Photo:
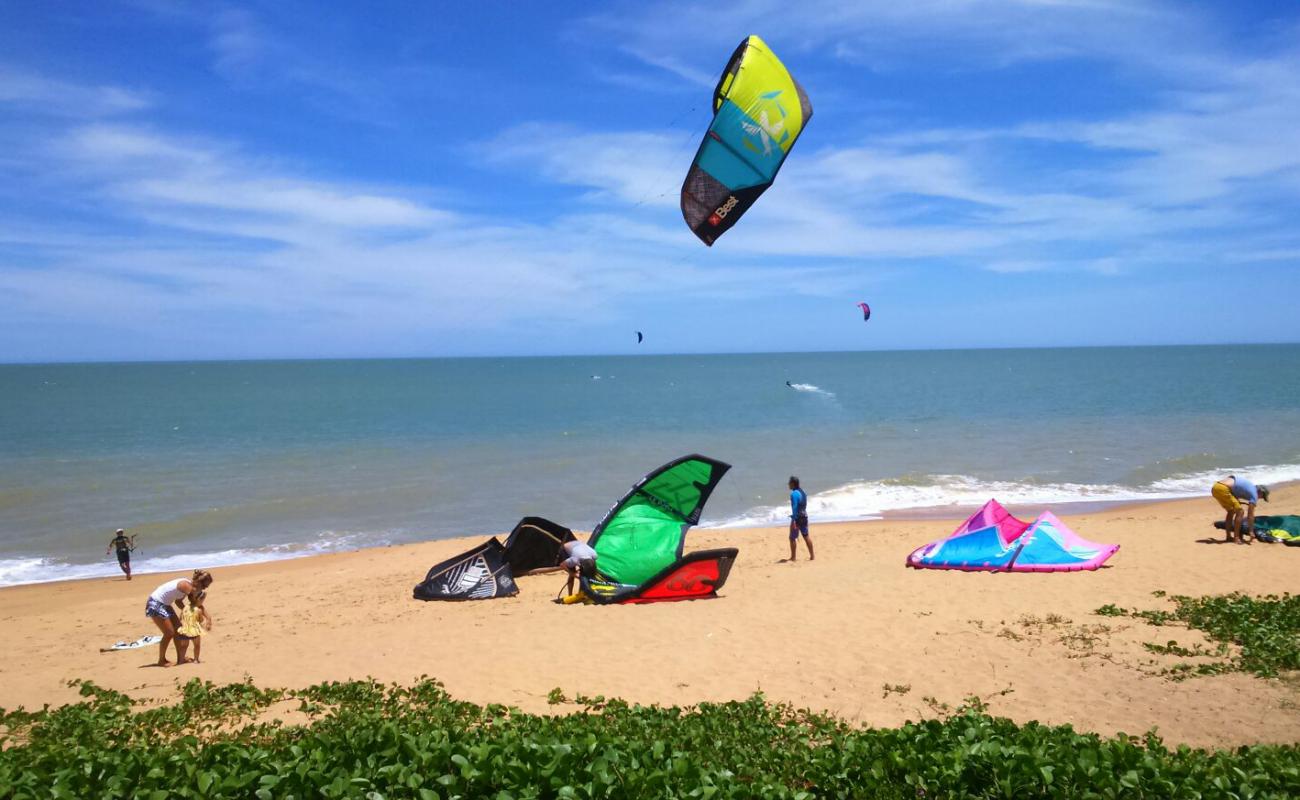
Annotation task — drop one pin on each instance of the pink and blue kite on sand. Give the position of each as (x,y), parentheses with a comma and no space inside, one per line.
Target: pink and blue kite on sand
(993,540)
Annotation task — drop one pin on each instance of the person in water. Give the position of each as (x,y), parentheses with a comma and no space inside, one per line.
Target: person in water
(798,519)
(1231,492)
(159,608)
(580,559)
(124,544)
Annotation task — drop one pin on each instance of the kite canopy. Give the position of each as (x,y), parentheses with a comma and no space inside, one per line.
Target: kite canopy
(759,110)
(866,311)
(489,570)
(638,546)
(479,574)
(992,540)
(1283,528)
(645,531)
(535,543)
(694,576)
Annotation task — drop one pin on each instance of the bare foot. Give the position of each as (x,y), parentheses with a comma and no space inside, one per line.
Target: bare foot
(164,663)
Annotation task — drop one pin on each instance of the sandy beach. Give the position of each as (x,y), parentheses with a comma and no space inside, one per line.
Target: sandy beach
(854,632)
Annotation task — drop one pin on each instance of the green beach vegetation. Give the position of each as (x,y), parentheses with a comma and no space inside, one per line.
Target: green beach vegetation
(367,740)
(1260,635)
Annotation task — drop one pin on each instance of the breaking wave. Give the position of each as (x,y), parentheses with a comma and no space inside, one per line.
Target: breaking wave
(22,570)
(864,500)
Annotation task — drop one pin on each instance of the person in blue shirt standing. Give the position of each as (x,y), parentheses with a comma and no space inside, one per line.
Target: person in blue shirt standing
(1231,492)
(798,519)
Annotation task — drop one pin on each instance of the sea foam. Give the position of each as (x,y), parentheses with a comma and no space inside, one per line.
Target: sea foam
(865,500)
(811,389)
(17,571)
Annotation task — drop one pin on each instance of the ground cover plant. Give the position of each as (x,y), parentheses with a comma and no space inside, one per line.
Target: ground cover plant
(1264,630)
(367,740)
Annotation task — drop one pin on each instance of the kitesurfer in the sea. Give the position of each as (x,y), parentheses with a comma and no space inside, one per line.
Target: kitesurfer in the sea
(798,519)
(124,544)
(791,385)
(580,559)
(1230,492)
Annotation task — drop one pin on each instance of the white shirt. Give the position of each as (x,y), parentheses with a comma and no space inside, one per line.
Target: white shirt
(168,593)
(580,551)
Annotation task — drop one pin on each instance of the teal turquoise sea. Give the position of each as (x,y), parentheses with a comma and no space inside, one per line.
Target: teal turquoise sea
(214,463)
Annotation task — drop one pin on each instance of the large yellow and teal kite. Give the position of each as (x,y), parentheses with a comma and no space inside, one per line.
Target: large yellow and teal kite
(759,110)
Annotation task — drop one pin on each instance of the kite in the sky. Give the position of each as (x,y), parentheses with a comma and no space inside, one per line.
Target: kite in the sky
(759,110)
(866,311)
(639,337)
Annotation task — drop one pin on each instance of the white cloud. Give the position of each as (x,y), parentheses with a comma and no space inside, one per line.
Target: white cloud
(221,234)
(677,67)
(188,228)
(1016,267)
(305,200)
(238,42)
(889,35)
(1291,254)
(640,168)
(117,147)
(42,95)
(1152,180)
(277,51)
(164,174)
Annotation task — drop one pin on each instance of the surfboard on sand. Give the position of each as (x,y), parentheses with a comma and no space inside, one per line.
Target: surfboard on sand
(143,641)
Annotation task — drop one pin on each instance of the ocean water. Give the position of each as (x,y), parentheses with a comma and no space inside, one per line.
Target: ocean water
(215,463)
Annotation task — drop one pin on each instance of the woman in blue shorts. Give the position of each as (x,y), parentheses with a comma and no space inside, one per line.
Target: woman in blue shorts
(159,609)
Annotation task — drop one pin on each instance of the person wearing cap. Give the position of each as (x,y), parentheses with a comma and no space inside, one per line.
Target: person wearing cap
(124,544)
(1231,492)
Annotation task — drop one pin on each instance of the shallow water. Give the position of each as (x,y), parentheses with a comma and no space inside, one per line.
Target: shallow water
(227,462)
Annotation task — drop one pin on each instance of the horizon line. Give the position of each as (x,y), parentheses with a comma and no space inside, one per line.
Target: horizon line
(295,359)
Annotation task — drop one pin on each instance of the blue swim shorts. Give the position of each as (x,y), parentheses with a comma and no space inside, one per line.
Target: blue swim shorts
(797,526)
(153,608)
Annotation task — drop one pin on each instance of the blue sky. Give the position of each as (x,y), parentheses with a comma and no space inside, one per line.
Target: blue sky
(213,180)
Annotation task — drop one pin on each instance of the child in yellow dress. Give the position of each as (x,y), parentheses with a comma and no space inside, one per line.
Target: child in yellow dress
(194,621)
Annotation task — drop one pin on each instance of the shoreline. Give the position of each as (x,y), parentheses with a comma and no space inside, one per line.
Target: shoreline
(827,635)
(954,512)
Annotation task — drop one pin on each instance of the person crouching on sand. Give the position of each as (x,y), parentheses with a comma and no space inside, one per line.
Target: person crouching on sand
(580,560)
(1230,492)
(159,608)
(194,621)
(798,519)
